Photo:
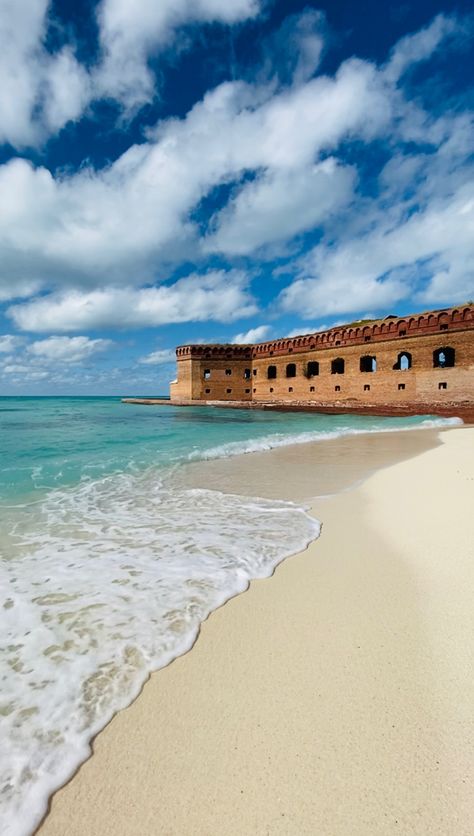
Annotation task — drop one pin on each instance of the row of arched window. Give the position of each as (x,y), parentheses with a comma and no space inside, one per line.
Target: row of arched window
(442,358)
(391,326)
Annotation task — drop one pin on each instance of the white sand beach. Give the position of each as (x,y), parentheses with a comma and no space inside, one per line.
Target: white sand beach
(335,698)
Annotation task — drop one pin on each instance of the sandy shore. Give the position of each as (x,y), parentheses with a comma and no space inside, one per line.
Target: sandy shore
(334,699)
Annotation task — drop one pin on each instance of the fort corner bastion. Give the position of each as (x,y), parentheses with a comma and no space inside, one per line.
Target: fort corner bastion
(422,363)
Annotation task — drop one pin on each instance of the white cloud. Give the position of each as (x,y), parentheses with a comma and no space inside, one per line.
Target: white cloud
(27,372)
(130,32)
(420,46)
(376,269)
(123,223)
(67,90)
(294,51)
(158,358)
(92,240)
(8,343)
(280,204)
(254,335)
(215,295)
(66,349)
(40,92)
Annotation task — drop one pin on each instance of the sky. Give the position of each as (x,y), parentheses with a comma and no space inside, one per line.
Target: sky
(223,171)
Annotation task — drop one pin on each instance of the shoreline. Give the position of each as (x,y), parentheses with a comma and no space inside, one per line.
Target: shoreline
(463,410)
(144,764)
(314,469)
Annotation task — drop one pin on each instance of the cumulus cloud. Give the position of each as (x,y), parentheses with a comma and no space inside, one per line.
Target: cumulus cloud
(130,32)
(216,295)
(27,372)
(62,363)
(40,92)
(124,222)
(280,204)
(381,267)
(159,358)
(66,349)
(254,335)
(9,343)
(95,242)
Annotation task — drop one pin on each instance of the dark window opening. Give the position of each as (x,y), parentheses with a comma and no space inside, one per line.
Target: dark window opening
(247,391)
(228,372)
(442,385)
(312,369)
(207,391)
(311,388)
(338,342)
(228,391)
(255,372)
(291,370)
(271,353)
(401,386)
(366,388)
(403,361)
(368,364)
(247,374)
(271,390)
(254,390)
(402,333)
(443,358)
(337,366)
(290,388)
(207,374)
(367,339)
(290,350)
(337,388)
(443,327)
(272,372)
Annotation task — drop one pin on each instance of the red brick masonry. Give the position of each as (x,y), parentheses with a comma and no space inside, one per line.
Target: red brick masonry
(394,366)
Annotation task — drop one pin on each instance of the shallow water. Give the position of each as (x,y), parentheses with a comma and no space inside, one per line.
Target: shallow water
(109,565)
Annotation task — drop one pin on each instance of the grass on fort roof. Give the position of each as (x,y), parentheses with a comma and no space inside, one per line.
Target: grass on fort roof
(361,322)
(364,321)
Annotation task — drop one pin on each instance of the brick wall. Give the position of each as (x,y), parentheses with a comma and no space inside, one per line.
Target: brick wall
(385,385)
(306,371)
(213,373)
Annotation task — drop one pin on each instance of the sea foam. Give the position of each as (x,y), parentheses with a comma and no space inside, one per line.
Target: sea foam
(106,582)
(275,440)
(108,579)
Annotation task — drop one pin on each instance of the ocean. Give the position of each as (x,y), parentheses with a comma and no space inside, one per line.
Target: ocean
(108,566)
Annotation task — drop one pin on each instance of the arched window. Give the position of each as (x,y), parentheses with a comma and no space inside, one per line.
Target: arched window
(291,370)
(368,364)
(403,361)
(271,372)
(443,358)
(337,366)
(312,369)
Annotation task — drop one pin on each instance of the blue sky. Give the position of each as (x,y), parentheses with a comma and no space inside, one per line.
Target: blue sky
(207,170)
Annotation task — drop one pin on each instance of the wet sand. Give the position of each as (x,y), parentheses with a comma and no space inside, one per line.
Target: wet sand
(335,698)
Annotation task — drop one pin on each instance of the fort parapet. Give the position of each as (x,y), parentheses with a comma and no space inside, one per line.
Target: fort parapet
(418,363)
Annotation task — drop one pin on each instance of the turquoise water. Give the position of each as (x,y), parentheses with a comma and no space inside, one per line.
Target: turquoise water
(51,442)
(108,567)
